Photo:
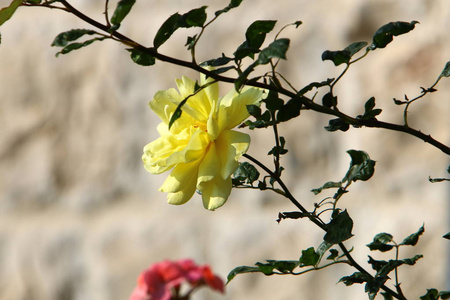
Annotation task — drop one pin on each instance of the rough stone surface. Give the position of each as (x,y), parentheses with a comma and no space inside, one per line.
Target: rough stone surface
(80,217)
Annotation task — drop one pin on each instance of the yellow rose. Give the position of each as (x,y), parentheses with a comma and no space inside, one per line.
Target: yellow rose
(200,147)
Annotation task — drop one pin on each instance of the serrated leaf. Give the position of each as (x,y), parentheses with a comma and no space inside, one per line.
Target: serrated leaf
(276,49)
(413,238)
(376,264)
(412,261)
(380,242)
(62,39)
(388,268)
(385,34)
(75,46)
(356,277)
(241,270)
(7,12)
(121,11)
(339,229)
(337,57)
(309,257)
(141,58)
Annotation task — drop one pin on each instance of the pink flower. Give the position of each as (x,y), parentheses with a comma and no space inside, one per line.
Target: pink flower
(162,281)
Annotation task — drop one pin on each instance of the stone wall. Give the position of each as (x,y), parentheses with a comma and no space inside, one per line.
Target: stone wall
(80,217)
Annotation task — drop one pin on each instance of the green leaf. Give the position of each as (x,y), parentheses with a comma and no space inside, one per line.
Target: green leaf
(412,261)
(7,12)
(388,268)
(75,46)
(254,110)
(444,294)
(369,111)
(241,270)
(33,1)
(361,166)
(315,85)
(141,58)
(355,47)
(432,294)
(166,30)
(193,18)
(447,236)
(328,100)
(339,229)
(413,238)
(323,247)
(246,172)
(177,113)
(337,57)
(356,277)
(256,32)
(333,254)
(337,124)
(121,11)
(376,264)
(380,242)
(233,4)
(276,49)
(221,61)
(444,73)
(290,110)
(273,102)
(386,296)
(62,39)
(309,257)
(283,266)
(385,34)
(327,185)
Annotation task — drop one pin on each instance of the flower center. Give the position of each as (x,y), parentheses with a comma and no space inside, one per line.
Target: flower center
(201,126)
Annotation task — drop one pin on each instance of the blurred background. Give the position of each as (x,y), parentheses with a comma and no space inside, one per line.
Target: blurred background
(80,218)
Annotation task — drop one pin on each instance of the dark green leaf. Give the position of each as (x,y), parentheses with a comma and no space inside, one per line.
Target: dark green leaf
(122,10)
(33,1)
(266,269)
(62,39)
(256,32)
(242,79)
(385,34)
(276,49)
(444,73)
(327,185)
(7,12)
(355,47)
(370,104)
(432,294)
(284,266)
(246,172)
(254,110)
(361,166)
(141,58)
(386,296)
(76,46)
(413,238)
(333,254)
(221,61)
(447,236)
(388,268)
(356,277)
(166,30)
(380,242)
(309,257)
(337,124)
(328,100)
(323,247)
(444,294)
(241,270)
(290,110)
(412,261)
(193,18)
(376,264)
(177,113)
(233,4)
(339,229)
(315,85)
(337,57)
(273,102)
